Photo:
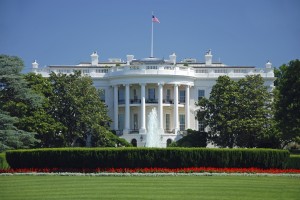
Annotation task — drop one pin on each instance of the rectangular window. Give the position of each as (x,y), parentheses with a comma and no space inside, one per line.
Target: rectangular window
(151,93)
(135,122)
(167,121)
(182,96)
(135,94)
(168,96)
(201,94)
(121,122)
(85,71)
(182,122)
(221,71)
(201,127)
(102,95)
(121,96)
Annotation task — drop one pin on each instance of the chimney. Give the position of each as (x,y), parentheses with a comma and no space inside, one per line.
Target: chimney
(35,66)
(268,65)
(94,58)
(172,58)
(129,59)
(208,58)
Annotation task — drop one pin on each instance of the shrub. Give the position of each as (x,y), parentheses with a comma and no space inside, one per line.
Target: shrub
(293,162)
(192,139)
(3,163)
(65,158)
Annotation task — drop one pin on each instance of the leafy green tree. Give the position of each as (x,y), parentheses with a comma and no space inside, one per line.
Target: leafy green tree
(288,101)
(49,130)
(239,113)
(16,101)
(219,111)
(77,105)
(254,123)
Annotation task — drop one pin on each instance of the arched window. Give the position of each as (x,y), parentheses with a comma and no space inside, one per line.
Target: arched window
(169,141)
(134,142)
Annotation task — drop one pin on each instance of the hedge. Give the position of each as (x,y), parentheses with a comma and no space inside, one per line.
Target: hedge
(3,163)
(66,158)
(294,162)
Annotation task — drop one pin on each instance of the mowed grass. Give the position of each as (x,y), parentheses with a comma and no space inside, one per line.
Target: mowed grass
(163,187)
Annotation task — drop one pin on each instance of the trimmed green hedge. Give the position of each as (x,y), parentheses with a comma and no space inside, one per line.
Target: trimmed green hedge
(65,158)
(294,162)
(3,163)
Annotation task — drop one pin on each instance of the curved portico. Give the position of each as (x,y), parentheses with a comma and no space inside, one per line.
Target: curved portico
(134,101)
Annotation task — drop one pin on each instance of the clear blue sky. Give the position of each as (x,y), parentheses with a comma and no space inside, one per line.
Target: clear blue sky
(239,32)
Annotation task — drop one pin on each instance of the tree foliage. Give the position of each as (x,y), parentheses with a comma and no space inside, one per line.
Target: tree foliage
(17,101)
(76,104)
(48,129)
(239,113)
(288,101)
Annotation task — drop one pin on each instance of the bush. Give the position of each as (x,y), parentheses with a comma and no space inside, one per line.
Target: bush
(192,139)
(294,162)
(66,158)
(3,163)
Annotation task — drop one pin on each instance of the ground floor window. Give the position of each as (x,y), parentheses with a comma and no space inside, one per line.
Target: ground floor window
(201,127)
(121,122)
(135,122)
(167,121)
(169,141)
(182,122)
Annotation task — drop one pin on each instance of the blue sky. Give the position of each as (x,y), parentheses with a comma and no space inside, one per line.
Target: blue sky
(239,32)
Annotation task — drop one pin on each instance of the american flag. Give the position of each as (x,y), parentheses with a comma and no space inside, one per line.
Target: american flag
(154,19)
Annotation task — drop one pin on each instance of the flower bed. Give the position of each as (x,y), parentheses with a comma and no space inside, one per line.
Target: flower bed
(156,170)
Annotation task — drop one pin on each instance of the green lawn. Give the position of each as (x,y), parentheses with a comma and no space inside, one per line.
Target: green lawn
(167,187)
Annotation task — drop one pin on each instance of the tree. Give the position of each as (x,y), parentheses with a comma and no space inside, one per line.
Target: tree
(239,113)
(40,120)
(288,101)
(16,101)
(255,122)
(11,137)
(76,104)
(219,111)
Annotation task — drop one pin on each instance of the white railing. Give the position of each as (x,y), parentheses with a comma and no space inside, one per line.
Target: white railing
(160,70)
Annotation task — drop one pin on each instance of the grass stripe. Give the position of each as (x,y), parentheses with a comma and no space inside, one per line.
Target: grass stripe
(183,187)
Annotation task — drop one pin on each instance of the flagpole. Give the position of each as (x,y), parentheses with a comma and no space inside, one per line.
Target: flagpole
(152,37)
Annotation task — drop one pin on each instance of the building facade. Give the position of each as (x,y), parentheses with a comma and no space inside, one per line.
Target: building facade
(132,88)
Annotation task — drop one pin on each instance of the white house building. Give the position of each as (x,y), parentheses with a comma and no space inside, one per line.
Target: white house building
(132,88)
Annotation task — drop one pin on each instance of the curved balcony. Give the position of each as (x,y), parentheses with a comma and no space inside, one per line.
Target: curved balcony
(151,70)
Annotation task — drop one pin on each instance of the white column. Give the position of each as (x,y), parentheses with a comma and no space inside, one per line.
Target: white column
(187,107)
(176,123)
(160,106)
(116,108)
(127,109)
(143,109)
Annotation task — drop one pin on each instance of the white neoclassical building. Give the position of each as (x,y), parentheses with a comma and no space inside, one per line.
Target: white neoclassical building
(132,88)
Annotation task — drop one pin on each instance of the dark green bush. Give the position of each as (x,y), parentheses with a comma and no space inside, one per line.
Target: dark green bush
(3,163)
(294,162)
(146,157)
(192,139)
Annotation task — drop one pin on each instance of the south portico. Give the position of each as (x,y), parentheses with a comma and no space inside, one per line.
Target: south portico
(134,101)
